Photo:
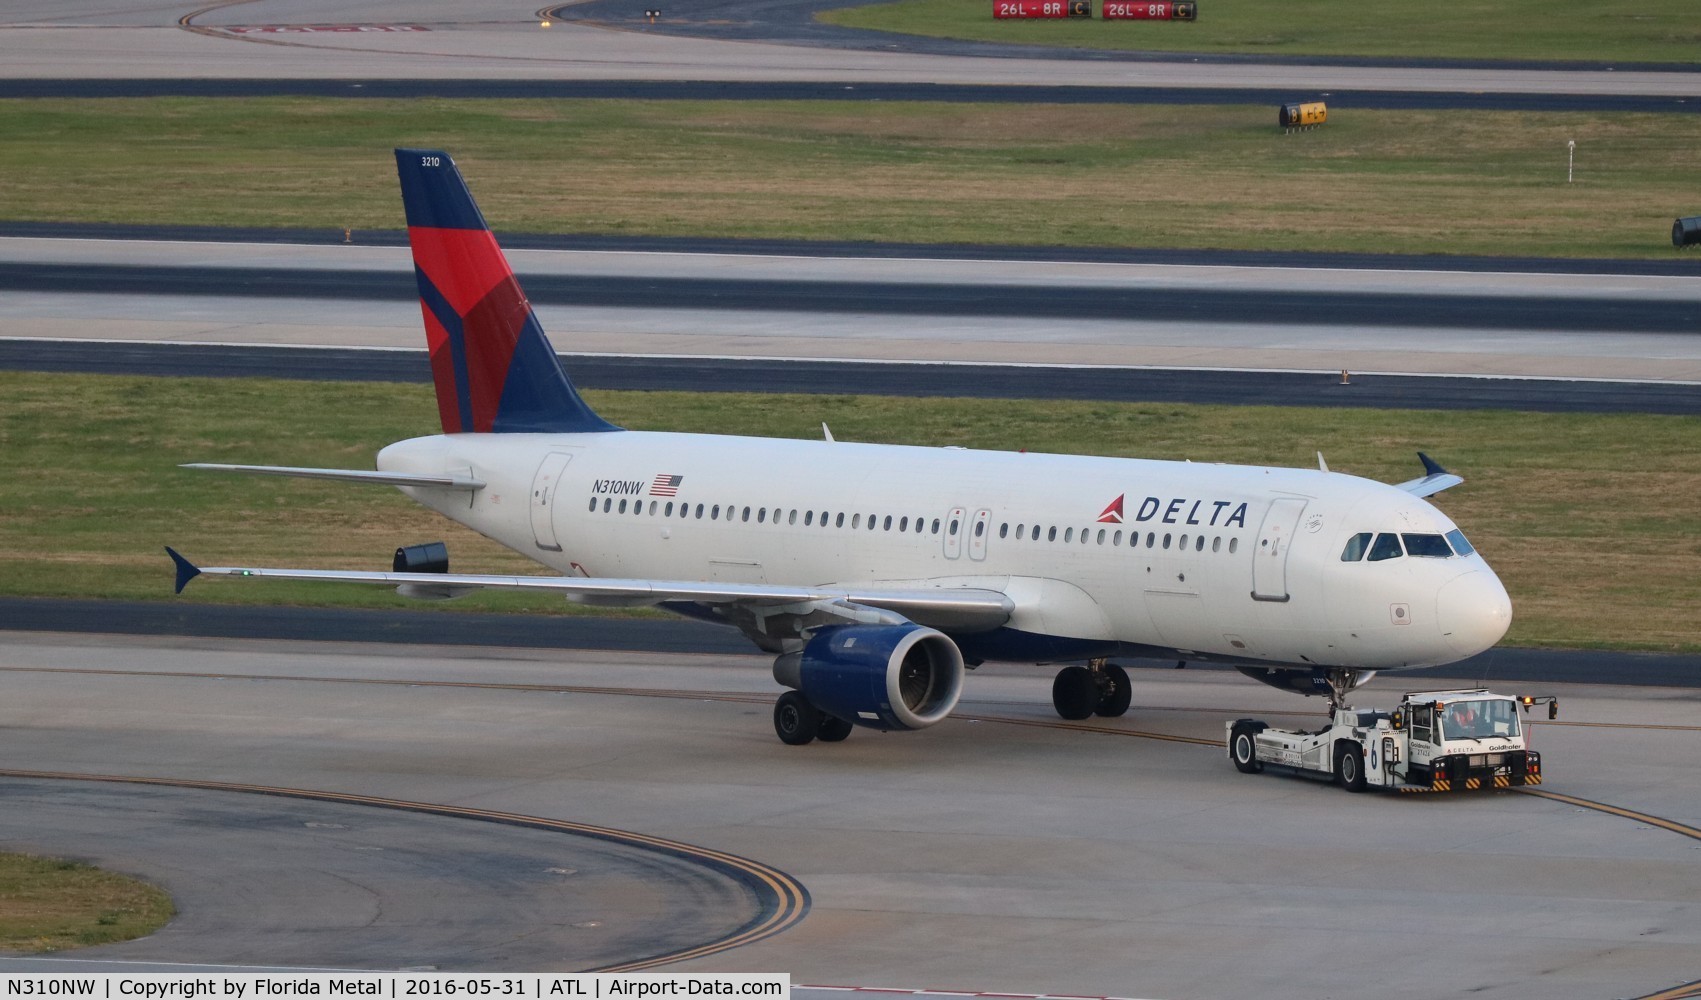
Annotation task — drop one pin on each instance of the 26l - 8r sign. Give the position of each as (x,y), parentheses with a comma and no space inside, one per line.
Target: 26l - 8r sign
(1152,10)
(1042,8)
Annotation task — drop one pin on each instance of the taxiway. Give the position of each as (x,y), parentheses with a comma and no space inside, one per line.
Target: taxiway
(1123,857)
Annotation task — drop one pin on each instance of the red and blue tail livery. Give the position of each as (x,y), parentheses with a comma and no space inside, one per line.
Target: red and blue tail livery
(494,369)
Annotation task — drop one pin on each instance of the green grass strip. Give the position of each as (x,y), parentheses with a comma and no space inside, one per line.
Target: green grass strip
(1589,518)
(47,904)
(1622,31)
(1042,175)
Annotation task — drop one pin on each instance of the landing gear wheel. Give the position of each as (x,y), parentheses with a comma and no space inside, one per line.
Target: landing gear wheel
(796,721)
(833,729)
(1349,766)
(1242,748)
(1075,693)
(1115,691)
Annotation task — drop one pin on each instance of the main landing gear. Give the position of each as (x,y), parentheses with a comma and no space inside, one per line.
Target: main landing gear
(1100,687)
(797,722)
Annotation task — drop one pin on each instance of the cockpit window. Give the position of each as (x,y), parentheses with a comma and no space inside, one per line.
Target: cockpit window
(1460,546)
(1356,546)
(1386,546)
(1429,546)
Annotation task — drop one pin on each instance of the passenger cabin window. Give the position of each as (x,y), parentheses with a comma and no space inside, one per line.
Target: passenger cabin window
(1460,546)
(1386,546)
(1357,545)
(1427,546)
(593,505)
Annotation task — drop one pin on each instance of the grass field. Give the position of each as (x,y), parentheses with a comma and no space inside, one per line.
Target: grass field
(1589,518)
(49,905)
(1147,176)
(1615,30)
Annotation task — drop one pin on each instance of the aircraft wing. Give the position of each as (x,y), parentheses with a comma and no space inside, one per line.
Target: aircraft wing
(1433,481)
(942,607)
(347,475)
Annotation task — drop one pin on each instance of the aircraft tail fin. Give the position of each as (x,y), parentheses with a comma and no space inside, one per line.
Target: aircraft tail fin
(494,369)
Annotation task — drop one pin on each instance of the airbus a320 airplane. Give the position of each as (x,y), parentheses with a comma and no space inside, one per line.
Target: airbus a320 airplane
(877,573)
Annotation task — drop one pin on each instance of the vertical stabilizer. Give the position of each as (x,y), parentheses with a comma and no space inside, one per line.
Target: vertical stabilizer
(495,370)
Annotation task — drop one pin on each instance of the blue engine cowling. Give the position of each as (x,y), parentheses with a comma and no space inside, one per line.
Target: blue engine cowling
(879,676)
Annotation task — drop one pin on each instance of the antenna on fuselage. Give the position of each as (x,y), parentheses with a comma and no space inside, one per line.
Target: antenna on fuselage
(1322,466)
(826,431)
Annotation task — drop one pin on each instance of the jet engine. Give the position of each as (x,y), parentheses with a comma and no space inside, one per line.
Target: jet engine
(880,676)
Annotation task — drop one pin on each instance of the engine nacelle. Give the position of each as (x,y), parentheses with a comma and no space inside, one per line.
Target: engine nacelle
(1299,680)
(880,676)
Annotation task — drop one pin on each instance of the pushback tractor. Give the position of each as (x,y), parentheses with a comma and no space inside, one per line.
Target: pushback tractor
(1435,741)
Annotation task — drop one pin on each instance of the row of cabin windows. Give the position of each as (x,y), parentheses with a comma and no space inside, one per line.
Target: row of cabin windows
(808,518)
(1114,537)
(918,525)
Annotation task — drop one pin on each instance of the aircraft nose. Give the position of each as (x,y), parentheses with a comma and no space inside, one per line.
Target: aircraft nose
(1473,612)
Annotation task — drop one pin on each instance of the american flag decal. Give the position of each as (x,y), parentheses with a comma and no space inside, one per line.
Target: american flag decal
(666,486)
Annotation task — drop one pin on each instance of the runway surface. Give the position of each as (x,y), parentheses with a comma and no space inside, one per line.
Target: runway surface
(735,90)
(1109,858)
(1112,329)
(102,39)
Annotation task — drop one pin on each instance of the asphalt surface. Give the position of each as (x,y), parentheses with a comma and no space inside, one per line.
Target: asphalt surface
(504,39)
(1299,307)
(1002,851)
(269,880)
(1679,264)
(793,22)
(733,90)
(674,636)
(981,381)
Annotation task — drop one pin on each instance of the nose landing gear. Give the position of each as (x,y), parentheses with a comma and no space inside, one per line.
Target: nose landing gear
(1342,680)
(1100,687)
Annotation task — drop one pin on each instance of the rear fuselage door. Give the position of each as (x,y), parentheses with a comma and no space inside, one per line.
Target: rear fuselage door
(544,486)
(1270,556)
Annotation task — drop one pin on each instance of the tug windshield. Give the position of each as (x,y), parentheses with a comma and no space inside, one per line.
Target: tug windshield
(1479,719)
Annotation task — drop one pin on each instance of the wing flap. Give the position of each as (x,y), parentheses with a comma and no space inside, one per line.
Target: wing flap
(959,607)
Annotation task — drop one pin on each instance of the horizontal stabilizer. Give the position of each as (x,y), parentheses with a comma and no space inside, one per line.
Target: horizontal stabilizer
(348,475)
(186,570)
(1434,479)
(982,608)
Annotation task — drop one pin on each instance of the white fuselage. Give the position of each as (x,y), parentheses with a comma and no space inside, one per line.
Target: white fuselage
(1234,563)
